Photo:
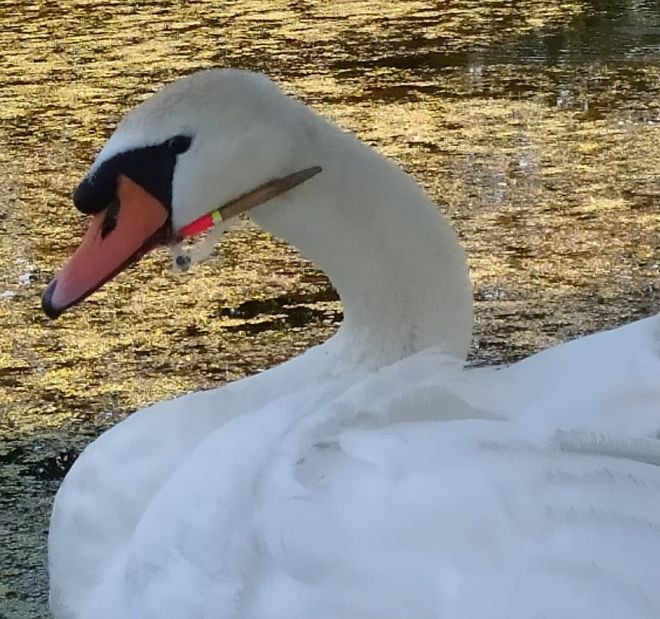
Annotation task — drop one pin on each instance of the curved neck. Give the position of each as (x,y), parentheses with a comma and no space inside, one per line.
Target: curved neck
(394,260)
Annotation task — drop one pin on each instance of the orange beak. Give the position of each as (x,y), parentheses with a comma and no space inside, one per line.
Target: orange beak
(117,236)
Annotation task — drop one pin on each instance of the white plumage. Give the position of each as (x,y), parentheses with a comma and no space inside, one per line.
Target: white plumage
(373,476)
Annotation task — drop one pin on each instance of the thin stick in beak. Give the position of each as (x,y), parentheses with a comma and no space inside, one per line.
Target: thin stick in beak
(266,192)
(249,200)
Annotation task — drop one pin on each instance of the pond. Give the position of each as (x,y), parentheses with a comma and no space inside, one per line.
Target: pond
(535,124)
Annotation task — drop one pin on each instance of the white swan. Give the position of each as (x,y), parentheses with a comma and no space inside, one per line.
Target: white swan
(371,476)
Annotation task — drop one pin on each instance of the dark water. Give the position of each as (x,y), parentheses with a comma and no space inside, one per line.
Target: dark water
(534,123)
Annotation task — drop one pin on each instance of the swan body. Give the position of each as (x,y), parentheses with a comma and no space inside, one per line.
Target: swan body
(372,476)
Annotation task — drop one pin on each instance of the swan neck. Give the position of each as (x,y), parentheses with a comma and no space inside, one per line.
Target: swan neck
(388,250)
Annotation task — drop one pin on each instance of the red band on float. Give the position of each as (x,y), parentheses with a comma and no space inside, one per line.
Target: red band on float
(199,225)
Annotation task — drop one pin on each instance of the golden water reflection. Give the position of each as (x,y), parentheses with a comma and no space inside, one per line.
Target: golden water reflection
(534,123)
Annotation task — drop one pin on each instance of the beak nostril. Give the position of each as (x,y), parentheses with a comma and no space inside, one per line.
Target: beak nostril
(110,220)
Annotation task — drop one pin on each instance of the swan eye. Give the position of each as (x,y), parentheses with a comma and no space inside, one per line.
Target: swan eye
(179,144)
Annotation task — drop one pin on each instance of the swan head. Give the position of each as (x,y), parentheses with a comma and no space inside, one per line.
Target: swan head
(228,137)
(199,143)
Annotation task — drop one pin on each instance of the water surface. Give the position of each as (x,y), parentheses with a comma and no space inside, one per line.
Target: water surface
(533,123)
